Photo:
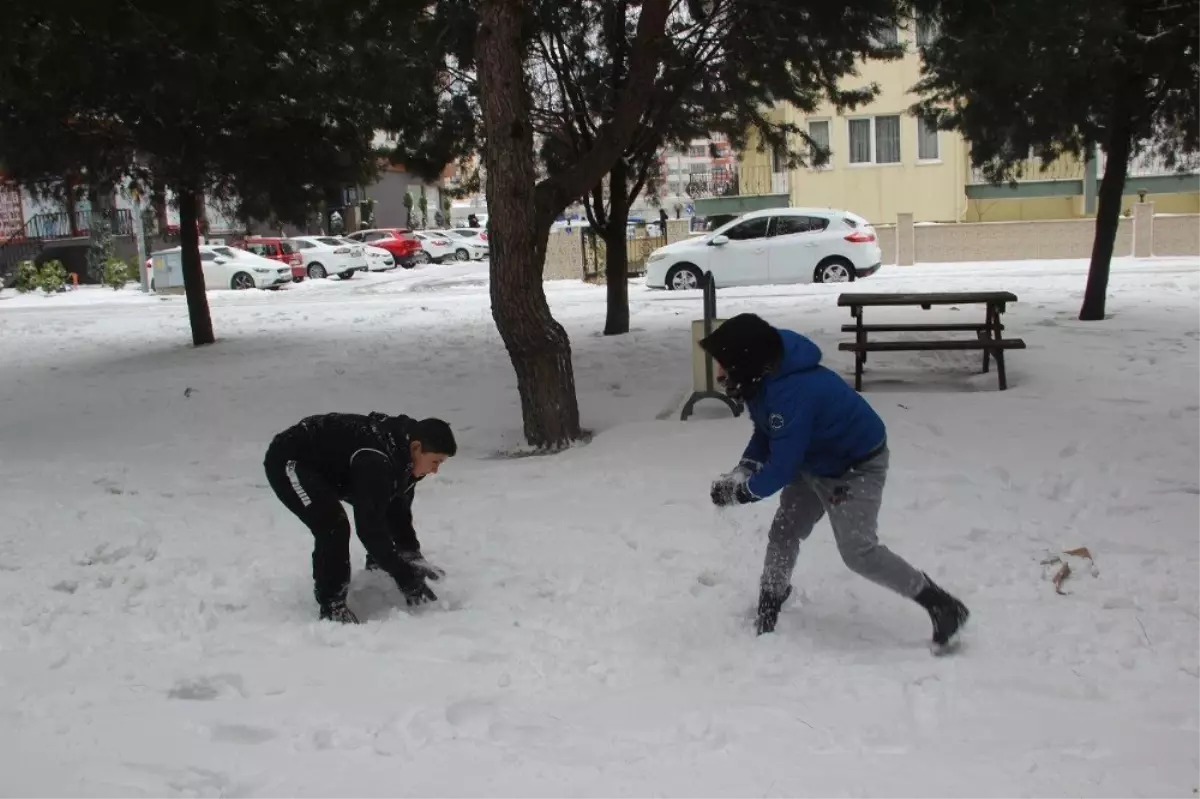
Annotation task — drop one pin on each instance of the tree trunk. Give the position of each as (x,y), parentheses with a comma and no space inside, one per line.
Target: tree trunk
(536,343)
(616,252)
(193,275)
(1108,211)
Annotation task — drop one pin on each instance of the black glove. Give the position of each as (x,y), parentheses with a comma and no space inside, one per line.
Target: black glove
(423,567)
(769,605)
(419,595)
(415,591)
(727,490)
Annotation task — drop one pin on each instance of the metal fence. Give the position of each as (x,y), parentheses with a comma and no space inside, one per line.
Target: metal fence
(638,246)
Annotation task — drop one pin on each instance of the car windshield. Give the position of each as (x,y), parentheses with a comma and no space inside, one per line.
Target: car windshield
(228,252)
(330,240)
(286,248)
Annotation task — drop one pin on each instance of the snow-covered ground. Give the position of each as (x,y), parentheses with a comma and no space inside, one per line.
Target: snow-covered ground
(158,635)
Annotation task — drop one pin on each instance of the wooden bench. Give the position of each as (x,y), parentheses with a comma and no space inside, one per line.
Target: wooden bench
(988,332)
(923,327)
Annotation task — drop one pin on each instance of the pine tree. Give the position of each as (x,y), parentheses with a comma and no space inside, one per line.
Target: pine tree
(1063,78)
(272,106)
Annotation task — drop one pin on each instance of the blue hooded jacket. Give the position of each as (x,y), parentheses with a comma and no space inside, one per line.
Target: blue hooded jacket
(806,418)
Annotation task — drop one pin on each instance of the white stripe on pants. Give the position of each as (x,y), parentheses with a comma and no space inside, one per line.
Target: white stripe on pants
(294,479)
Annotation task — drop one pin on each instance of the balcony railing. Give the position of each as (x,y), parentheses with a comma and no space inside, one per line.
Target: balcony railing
(78,225)
(1143,166)
(1149,165)
(744,181)
(1031,170)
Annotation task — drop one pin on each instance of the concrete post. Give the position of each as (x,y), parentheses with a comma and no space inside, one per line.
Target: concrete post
(677,230)
(906,240)
(1143,229)
(1091,184)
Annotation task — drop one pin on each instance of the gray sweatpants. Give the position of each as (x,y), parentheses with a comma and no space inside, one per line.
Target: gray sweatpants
(852,502)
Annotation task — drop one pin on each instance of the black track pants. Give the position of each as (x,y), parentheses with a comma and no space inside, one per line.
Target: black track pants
(317,505)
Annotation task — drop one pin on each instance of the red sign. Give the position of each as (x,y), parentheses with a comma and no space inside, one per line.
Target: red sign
(12,214)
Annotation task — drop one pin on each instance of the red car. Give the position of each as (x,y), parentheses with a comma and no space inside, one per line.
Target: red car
(277,249)
(400,242)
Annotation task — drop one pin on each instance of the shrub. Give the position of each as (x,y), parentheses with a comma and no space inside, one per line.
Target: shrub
(116,273)
(27,277)
(51,277)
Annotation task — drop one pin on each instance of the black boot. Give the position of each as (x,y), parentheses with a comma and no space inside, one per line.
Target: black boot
(371,565)
(947,613)
(337,611)
(769,605)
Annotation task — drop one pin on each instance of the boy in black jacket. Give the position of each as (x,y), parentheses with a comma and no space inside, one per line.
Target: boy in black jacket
(372,462)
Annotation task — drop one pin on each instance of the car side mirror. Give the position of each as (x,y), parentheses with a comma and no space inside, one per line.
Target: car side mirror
(220,261)
(718,241)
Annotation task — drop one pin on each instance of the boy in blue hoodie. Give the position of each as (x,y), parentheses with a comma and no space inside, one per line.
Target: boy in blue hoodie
(818,442)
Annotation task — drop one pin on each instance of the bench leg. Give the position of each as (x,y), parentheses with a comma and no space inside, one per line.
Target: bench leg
(858,370)
(983,336)
(1000,370)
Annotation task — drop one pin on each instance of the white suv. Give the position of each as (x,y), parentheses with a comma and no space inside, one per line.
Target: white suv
(777,245)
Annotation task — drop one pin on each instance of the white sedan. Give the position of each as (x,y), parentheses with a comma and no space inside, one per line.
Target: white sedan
(231,268)
(439,246)
(466,248)
(326,255)
(378,259)
(776,245)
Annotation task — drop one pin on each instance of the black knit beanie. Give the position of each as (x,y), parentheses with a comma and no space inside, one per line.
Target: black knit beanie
(747,346)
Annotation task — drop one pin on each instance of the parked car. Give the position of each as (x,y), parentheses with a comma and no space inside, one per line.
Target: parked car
(378,259)
(776,245)
(439,246)
(400,242)
(326,255)
(277,249)
(466,248)
(230,268)
(471,233)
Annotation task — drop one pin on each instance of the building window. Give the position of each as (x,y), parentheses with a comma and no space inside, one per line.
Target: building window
(927,140)
(927,31)
(887,140)
(875,140)
(887,37)
(818,133)
(697,151)
(779,160)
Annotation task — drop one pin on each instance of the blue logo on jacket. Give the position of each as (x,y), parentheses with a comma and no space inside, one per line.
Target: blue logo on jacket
(806,418)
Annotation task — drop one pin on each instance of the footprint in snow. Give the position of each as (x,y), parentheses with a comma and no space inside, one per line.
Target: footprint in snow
(207,688)
(241,734)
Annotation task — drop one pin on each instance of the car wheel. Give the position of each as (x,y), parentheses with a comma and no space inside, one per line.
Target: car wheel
(684,277)
(834,270)
(422,257)
(241,281)
(462,255)
(346,275)
(316,271)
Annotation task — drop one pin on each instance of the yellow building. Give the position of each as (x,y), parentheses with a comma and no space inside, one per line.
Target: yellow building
(885,161)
